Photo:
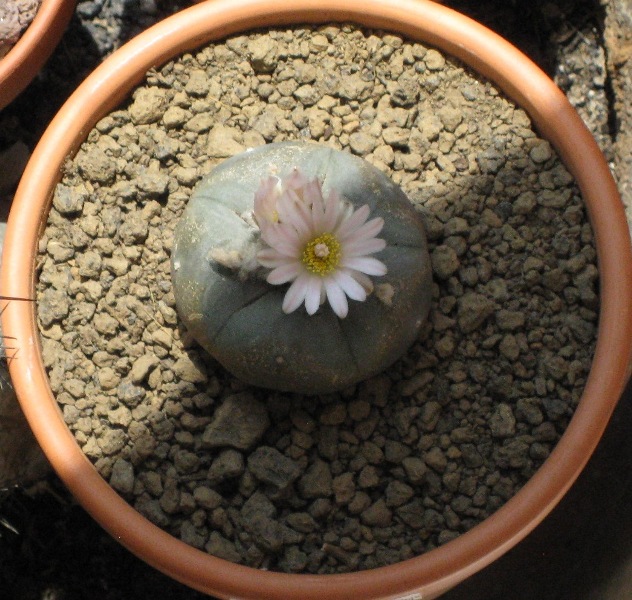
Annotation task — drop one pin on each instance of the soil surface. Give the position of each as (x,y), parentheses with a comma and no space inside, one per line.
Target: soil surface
(43,531)
(396,465)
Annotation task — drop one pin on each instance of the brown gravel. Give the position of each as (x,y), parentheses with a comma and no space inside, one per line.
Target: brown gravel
(398,464)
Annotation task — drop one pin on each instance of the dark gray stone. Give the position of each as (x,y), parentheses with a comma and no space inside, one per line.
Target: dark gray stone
(239,422)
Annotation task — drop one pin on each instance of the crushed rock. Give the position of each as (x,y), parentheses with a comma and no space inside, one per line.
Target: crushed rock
(398,464)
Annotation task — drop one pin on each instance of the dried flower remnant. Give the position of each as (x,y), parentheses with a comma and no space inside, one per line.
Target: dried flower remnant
(319,245)
(15,16)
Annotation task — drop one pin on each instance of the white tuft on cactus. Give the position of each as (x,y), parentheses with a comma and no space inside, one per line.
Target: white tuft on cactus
(320,245)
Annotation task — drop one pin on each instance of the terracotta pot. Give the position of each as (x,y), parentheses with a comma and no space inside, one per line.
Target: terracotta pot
(26,58)
(437,571)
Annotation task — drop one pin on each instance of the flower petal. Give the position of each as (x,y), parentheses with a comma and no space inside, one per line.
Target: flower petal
(267,185)
(364,247)
(365,264)
(352,222)
(333,211)
(295,295)
(286,202)
(266,200)
(349,285)
(318,212)
(270,258)
(312,296)
(367,231)
(313,193)
(294,212)
(363,280)
(306,216)
(284,238)
(267,229)
(284,273)
(295,180)
(337,298)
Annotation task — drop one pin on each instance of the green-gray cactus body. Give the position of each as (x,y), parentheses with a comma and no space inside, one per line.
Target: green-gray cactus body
(236,315)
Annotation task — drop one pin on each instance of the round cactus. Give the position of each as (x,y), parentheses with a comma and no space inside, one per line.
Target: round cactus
(241,294)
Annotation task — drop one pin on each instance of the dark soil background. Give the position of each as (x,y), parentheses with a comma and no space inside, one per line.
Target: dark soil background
(51,549)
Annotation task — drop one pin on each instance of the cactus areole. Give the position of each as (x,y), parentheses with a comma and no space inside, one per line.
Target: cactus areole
(301,268)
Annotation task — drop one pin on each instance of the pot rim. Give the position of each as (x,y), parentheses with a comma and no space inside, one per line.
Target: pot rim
(22,63)
(435,572)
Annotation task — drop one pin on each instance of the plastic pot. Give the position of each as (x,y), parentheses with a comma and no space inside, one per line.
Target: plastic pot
(26,58)
(435,572)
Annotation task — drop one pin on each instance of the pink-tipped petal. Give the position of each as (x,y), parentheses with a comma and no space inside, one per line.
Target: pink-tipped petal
(305,215)
(318,214)
(298,219)
(268,188)
(365,264)
(349,285)
(264,227)
(270,258)
(285,240)
(284,273)
(367,231)
(337,298)
(295,295)
(333,210)
(363,280)
(286,203)
(295,180)
(364,247)
(312,296)
(312,193)
(355,220)
(265,202)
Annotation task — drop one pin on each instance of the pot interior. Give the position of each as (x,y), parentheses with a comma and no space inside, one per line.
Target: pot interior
(418,394)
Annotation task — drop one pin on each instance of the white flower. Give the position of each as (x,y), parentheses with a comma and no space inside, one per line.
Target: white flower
(320,245)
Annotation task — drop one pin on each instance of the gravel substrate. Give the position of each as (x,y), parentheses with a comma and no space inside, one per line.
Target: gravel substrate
(15,17)
(398,464)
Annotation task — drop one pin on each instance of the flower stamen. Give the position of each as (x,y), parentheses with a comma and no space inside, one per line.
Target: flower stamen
(321,255)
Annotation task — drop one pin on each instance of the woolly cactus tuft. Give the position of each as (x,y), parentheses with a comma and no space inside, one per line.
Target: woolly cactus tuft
(301,268)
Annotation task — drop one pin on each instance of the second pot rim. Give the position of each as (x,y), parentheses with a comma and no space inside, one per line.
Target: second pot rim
(438,570)
(22,63)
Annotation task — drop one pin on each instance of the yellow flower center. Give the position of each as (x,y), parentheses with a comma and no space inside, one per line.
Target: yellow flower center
(322,254)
